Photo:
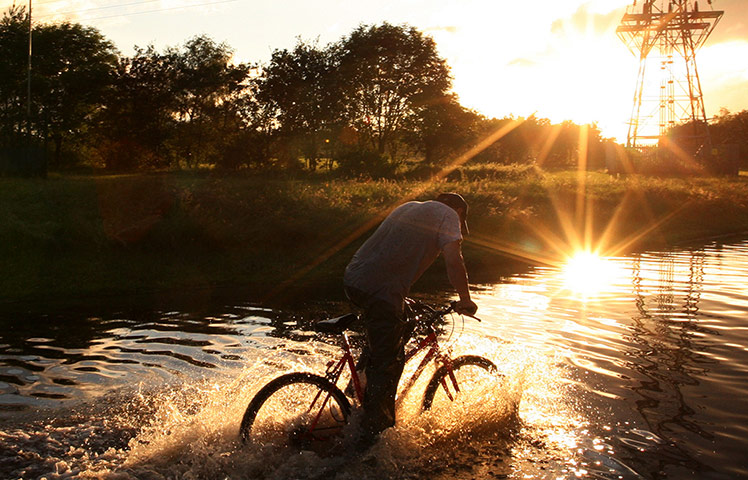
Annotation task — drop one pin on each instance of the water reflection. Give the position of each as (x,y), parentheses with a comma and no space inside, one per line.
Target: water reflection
(588,274)
(75,356)
(627,367)
(668,345)
(648,364)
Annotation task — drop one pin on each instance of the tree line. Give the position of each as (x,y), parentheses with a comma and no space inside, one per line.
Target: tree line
(372,103)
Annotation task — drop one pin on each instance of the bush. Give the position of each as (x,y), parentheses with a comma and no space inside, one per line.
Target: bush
(365,163)
(657,162)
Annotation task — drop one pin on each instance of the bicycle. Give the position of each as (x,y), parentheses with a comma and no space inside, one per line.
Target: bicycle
(303,409)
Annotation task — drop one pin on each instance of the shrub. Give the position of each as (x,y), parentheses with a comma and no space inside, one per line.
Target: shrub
(365,163)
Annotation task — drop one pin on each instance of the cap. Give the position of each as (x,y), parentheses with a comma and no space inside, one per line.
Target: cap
(456,201)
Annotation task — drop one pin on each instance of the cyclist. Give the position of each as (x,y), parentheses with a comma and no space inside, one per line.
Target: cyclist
(380,276)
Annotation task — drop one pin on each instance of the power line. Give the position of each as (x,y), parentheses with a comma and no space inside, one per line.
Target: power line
(13,3)
(163,9)
(95,8)
(78,12)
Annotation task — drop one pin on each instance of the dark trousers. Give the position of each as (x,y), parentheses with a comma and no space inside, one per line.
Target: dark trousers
(386,334)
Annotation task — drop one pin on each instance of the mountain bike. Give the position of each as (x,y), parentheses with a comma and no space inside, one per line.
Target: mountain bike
(307,410)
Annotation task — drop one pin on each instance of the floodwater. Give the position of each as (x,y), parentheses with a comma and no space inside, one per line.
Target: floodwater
(631,367)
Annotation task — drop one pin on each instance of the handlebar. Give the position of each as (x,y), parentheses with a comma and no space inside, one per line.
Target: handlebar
(451,307)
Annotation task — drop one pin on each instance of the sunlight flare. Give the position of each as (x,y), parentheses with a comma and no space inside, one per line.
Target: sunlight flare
(587,273)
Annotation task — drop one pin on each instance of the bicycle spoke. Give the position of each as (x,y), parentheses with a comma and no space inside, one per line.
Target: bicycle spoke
(298,410)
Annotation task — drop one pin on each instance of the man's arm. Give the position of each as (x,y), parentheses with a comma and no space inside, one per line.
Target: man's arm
(458,277)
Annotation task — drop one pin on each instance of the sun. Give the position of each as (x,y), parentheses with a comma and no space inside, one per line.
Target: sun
(568,64)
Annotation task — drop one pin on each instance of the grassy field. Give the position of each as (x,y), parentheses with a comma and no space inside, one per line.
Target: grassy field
(74,240)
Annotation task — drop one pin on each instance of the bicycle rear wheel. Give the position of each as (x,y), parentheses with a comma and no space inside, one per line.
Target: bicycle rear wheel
(470,373)
(300,410)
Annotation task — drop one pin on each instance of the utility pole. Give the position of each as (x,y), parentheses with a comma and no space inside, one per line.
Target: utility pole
(28,81)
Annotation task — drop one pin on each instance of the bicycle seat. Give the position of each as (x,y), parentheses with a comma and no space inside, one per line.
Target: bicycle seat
(336,325)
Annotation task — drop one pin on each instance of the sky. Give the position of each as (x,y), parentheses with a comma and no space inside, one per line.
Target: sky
(558,59)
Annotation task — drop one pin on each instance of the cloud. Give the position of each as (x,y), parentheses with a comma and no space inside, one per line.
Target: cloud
(734,23)
(586,19)
(443,28)
(522,62)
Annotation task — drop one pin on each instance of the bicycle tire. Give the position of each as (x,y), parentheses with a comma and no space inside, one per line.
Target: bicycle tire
(457,363)
(290,433)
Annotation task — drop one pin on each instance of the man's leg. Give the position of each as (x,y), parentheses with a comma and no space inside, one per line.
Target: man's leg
(384,332)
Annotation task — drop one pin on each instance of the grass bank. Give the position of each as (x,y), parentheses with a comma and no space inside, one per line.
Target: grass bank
(78,239)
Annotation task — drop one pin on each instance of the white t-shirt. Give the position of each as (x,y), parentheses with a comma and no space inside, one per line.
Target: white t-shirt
(401,249)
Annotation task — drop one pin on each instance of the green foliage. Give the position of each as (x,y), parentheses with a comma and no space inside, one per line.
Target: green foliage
(442,129)
(382,88)
(386,71)
(179,108)
(365,163)
(121,234)
(72,70)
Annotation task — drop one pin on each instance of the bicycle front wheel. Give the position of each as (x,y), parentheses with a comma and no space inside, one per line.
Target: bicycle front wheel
(300,410)
(467,374)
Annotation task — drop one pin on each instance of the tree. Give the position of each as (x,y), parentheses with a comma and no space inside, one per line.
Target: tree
(72,69)
(206,87)
(253,141)
(299,85)
(442,128)
(386,72)
(13,64)
(179,107)
(139,114)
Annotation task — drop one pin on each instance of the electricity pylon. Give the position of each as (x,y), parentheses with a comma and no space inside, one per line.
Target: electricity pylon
(666,34)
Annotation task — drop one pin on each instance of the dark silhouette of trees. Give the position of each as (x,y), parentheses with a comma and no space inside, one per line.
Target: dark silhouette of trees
(362,106)
(252,144)
(731,128)
(299,87)
(139,116)
(354,101)
(13,63)
(550,146)
(72,71)
(441,128)
(179,108)
(387,72)
(723,153)
(207,87)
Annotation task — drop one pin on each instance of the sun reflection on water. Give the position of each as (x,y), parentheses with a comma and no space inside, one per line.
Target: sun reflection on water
(588,274)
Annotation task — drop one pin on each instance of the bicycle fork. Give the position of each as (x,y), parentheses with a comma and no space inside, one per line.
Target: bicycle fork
(434,353)
(452,379)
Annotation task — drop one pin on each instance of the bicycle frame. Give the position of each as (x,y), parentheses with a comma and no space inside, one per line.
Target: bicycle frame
(335,368)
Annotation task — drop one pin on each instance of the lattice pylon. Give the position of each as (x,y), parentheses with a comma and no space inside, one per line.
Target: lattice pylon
(666,34)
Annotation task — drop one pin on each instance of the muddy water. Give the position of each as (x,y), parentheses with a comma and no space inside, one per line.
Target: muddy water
(628,367)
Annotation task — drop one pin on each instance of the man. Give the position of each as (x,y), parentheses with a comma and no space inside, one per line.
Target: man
(378,279)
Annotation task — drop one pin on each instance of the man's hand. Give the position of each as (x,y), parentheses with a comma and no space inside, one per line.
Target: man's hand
(466,307)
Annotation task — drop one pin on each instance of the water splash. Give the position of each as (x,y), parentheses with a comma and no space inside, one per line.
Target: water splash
(519,421)
(190,429)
